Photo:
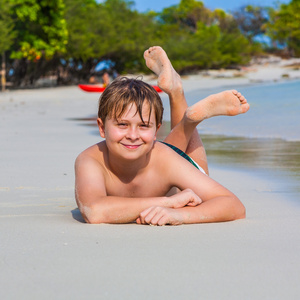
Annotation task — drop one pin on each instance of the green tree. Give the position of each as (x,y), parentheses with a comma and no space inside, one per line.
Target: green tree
(131,33)
(235,50)
(85,24)
(7,35)
(251,20)
(186,14)
(284,26)
(41,28)
(197,38)
(41,38)
(110,30)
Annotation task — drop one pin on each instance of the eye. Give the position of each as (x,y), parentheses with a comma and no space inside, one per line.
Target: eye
(144,125)
(122,125)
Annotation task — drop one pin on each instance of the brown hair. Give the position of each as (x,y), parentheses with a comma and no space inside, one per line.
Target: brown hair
(124,91)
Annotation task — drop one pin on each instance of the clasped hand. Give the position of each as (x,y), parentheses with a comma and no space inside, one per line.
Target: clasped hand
(169,214)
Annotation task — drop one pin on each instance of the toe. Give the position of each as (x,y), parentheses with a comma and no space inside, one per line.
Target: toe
(245,107)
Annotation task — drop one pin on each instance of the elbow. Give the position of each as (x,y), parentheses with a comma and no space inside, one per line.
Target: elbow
(240,211)
(91,215)
(92,220)
(95,218)
(243,215)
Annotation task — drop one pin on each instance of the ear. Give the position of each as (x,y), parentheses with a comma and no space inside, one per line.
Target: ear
(101,127)
(157,128)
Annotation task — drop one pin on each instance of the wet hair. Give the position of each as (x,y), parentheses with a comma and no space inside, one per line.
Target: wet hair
(125,91)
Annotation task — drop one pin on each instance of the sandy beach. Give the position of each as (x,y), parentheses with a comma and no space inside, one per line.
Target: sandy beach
(48,252)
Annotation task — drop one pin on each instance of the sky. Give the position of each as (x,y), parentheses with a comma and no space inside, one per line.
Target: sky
(227,5)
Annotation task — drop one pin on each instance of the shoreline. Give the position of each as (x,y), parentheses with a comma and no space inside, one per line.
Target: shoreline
(270,69)
(262,71)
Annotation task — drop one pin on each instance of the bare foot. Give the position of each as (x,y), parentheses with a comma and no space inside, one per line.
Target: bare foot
(227,103)
(158,62)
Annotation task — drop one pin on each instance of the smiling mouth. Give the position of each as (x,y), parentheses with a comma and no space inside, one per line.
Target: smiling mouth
(131,147)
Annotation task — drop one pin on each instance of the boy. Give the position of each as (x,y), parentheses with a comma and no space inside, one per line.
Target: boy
(127,177)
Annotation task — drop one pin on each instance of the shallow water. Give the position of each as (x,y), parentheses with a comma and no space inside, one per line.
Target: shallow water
(274,159)
(274,112)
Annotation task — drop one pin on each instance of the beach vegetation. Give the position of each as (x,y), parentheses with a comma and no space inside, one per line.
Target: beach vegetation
(7,36)
(111,30)
(41,29)
(68,39)
(41,36)
(251,20)
(284,27)
(7,33)
(199,37)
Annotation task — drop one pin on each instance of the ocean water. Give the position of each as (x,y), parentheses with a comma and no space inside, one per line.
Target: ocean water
(274,112)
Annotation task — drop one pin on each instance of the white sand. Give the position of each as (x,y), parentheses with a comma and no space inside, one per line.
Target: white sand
(46,252)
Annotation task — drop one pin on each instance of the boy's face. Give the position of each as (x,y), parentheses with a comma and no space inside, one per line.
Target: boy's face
(129,137)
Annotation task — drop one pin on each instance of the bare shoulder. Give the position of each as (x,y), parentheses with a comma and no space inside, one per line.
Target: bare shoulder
(90,173)
(179,171)
(169,161)
(90,166)
(92,155)
(167,155)
(163,154)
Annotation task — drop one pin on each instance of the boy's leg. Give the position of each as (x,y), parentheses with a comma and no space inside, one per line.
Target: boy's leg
(184,120)
(227,103)
(170,82)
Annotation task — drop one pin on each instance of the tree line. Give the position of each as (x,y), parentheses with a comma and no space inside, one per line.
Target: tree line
(66,39)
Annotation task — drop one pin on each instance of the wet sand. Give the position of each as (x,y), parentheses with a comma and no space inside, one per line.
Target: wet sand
(48,252)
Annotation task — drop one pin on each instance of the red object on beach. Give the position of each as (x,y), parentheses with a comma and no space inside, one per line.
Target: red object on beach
(92,88)
(157,88)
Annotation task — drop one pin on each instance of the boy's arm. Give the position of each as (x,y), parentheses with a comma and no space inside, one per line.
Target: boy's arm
(96,207)
(218,203)
(215,210)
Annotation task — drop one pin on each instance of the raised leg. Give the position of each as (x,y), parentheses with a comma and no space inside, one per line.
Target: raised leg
(227,103)
(170,82)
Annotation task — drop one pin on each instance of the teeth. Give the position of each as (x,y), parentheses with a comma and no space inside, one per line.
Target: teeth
(132,146)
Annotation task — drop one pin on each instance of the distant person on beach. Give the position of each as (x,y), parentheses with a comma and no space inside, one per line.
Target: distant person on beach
(131,177)
(93,80)
(105,79)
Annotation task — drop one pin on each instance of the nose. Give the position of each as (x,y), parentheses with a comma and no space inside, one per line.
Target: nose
(132,133)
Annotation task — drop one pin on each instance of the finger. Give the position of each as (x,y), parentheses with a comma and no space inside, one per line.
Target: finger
(150,216)
(144,213)
(196,201)
(164,220)
(156,218)
(138,221)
